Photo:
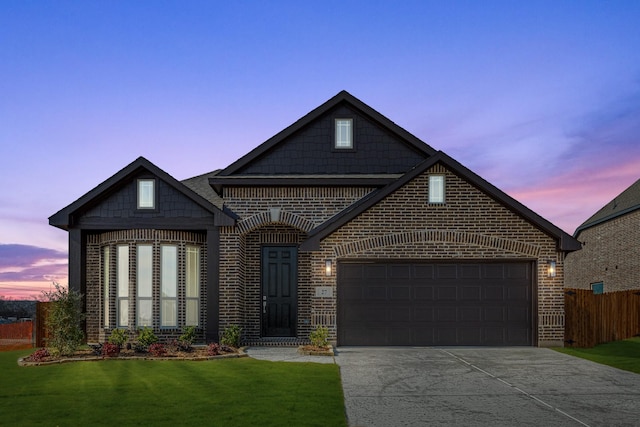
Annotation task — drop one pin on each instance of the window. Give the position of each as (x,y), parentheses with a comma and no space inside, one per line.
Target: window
(344,134)
(169,286)
(122,287)
(436,189)
(597,288)
(105,284)
(193,286)
(146,194)
(144,285)
(155,285)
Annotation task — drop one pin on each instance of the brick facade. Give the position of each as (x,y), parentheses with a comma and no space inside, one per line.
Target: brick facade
(469,226)
(610,254)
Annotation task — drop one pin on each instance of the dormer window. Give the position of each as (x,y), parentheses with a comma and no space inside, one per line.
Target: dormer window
(146,194)
(344,134)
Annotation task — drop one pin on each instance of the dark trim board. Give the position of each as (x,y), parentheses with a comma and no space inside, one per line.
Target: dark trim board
(436,303)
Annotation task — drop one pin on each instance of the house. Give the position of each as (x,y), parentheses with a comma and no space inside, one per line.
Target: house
(343,220)
(610,256)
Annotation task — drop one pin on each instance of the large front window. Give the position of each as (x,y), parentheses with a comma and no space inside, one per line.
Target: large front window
(193,286)
(122,286)
(169,286)
(144,291)
(152,282)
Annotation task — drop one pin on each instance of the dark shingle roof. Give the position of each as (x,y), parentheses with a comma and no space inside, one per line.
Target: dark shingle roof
(623,203)
(200,185)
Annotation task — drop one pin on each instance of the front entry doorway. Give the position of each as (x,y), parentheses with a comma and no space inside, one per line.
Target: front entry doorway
(279,291)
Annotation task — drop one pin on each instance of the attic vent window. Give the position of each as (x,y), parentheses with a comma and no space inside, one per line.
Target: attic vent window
(344,134)
(146,194)
(436,189)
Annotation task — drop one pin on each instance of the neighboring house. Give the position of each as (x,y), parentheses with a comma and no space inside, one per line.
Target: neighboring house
(343,220)
(610,256)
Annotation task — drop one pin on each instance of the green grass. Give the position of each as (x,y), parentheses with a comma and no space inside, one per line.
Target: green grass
(623,354)
(229,392)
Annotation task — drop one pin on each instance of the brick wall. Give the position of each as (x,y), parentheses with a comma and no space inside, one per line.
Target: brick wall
(610,254)
(469,226)
(96,330)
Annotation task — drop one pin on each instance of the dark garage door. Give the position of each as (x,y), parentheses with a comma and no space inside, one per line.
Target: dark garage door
(435,303)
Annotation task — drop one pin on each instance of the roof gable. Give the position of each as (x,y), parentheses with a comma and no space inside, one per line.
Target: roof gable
(565,241)
(306,147)
(64,219)
(623,203)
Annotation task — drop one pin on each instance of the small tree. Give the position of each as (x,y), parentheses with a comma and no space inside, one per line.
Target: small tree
(64,320)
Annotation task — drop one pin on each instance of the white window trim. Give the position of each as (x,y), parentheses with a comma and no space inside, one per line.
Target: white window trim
(146,286)
(145,200)
(106,264)
(192,298)
(122,285)
(437,185)
(346,143)
(163,258)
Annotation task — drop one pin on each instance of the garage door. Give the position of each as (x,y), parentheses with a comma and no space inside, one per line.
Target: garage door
(435,303)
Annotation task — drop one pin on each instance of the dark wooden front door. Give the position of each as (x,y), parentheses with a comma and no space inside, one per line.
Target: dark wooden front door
(279,291)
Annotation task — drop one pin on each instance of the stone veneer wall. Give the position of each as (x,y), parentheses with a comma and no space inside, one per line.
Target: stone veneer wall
(469,226)
(96,332)
(610,254)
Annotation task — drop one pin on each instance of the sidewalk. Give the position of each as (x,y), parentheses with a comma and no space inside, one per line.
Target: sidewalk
(285,354)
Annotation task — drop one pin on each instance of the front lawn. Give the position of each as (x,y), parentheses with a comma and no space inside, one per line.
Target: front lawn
(623,354)
(230,392)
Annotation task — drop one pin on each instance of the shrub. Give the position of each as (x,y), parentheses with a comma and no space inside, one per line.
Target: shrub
(231,336)
(157,350)
(188,334)
(110,349)
(39,355)
(146,337)
(213,349)
(185,342)
(118,337)
(96,349)
(319,337)
(64,320)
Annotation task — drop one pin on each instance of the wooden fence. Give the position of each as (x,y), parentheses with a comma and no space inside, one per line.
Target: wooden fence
(594,319)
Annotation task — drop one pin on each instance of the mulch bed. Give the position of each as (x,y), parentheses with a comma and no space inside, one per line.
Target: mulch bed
(198,353)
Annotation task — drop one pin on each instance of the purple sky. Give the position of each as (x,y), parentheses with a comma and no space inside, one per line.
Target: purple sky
(540,98)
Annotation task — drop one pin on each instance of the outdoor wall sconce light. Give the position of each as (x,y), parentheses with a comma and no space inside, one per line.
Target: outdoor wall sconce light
(551,272)
(328,267)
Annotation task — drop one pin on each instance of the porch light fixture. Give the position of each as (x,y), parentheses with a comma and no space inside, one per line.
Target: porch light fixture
(551,271)
(328,267)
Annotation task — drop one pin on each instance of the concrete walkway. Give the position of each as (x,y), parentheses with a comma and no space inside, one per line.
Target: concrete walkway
(457,386)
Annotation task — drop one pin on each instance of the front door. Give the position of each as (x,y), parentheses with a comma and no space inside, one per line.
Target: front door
(279,291)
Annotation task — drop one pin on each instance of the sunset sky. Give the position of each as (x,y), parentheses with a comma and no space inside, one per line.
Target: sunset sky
(541,98)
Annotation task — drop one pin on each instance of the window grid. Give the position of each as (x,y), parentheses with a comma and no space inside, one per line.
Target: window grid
(344,133)
(146,194)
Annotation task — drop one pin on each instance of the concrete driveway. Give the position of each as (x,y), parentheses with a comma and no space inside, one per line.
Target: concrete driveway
(456,386)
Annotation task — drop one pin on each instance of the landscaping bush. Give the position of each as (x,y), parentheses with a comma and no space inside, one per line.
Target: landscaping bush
(110,349)
(319,337)
(118,337)
(231,336)
(185,342)
(213,349)
(64,320)
(39,355)
(146,337)
(157,350)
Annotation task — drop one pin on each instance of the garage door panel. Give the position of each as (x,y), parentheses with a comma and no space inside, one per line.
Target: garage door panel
(423,292)
(400,314)
(446,271)
(423,271)
(470,314)
(446,293)
(471,293)
(435,304)
(400,292)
